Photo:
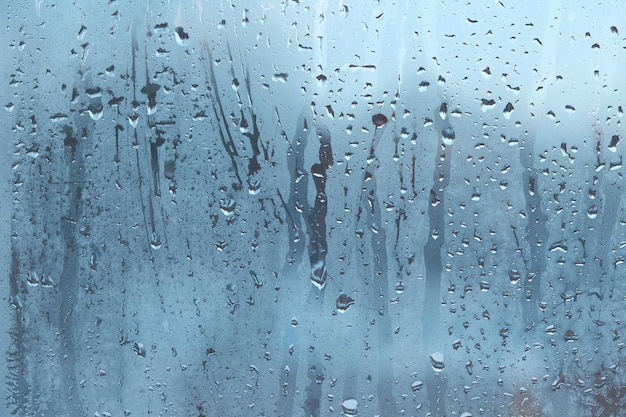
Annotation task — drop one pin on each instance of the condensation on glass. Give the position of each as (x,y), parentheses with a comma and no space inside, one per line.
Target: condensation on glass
(313,208)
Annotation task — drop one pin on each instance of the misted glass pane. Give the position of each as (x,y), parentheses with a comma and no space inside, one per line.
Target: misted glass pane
(312,208)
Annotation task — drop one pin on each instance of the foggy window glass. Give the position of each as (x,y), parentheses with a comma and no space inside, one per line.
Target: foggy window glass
(312,208)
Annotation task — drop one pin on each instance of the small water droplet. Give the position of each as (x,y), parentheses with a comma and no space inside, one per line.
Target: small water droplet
(476,194)
(155,241)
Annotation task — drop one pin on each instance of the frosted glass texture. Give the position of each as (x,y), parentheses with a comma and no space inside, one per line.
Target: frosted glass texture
(312,208)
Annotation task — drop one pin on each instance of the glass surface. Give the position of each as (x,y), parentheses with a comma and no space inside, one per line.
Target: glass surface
(304,208)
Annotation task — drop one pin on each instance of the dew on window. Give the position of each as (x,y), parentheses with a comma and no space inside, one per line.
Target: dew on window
(308,208)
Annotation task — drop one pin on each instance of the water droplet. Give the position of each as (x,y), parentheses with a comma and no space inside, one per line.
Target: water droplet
(58,117)
(32,279)
(243,125)
(93,92)
(416,386)
(508,110)
(343,302)
(447,136)
(228,207)
(476,194)
(570,336)
(443,111)
(139,349)
(151,108)
(182,38)
(350,406)
(436,360)
(133,119)
(379,120)
(95,110)
(155,241)
(16,302)
(487,104)
(254,186)
(423,86)
(514,276)
(614,143)
(318,273)
(592,211)
(280,77)
(47,281)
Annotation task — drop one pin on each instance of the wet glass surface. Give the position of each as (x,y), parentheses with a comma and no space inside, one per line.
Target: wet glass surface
(313,208)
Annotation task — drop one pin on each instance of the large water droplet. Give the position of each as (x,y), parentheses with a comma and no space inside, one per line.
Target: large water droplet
(487,104)
(155,241)
(443,111)
(318,273)
(32,279)
(514,276)
(350,406)
(182,38)
(592,211)
(436,360)
(95,110)
(508,110)
(447,136)
(343,302)
(379,119)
